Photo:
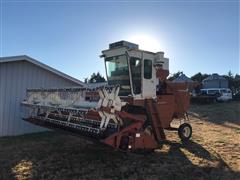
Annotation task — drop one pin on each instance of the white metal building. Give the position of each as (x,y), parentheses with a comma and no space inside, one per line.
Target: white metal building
(17,73)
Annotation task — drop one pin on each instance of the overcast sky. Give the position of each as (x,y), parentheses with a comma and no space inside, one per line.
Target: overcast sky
(197,36)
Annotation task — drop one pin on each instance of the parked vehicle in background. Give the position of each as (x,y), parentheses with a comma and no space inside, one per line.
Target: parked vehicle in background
(223,94)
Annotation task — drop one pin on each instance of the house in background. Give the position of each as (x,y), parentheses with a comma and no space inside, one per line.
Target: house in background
(18,73)
(184,79)
(215,81)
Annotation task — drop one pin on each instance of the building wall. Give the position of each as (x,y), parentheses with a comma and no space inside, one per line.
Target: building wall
(215,83)
(15,78)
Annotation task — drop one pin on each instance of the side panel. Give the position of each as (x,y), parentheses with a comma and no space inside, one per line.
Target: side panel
(165,109)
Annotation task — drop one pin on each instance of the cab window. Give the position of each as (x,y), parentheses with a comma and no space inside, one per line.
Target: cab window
(147,69)
(135,65)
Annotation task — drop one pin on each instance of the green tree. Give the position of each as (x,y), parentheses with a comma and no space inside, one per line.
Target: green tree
(199,77)
(230,74)
(233,81)
(237,83)
(174,75)
(95,78)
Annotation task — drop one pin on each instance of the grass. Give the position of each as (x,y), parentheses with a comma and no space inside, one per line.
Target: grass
(213,153)
(43,136)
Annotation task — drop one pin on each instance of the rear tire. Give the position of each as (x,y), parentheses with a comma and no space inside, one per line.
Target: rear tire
(185,132)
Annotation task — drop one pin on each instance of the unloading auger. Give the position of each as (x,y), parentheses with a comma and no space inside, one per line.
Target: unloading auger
(131,112)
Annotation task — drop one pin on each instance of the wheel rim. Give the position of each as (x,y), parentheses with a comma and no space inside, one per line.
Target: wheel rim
(186,131)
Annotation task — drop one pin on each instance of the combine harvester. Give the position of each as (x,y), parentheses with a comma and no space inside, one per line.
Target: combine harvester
(129,113)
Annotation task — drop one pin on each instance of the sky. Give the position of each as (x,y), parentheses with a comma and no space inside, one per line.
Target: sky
(196,36)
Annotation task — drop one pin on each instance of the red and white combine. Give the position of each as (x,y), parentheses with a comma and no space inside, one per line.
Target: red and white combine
(129,113)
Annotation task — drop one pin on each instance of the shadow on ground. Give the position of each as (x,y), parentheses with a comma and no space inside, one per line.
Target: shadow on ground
(56,156)
(219,113)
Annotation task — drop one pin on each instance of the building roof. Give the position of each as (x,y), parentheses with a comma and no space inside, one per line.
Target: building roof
(37,63)
(214,77)
(183,78)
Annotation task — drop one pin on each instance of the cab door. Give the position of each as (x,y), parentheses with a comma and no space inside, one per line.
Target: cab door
(149,84)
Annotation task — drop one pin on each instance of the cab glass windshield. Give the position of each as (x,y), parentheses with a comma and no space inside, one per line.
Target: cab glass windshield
(118,73)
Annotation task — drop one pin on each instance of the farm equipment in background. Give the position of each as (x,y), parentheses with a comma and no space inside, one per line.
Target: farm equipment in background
(129,113)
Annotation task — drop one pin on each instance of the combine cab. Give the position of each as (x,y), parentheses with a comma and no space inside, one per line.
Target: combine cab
(131,112)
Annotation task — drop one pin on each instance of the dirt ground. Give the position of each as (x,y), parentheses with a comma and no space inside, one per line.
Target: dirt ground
(213,153)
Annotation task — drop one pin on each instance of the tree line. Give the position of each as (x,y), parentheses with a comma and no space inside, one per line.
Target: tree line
(233,80)
(95,78)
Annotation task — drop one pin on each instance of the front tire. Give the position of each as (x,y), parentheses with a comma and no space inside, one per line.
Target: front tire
(185,132)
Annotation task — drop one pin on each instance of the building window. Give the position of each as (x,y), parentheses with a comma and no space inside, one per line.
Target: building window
(147,69)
